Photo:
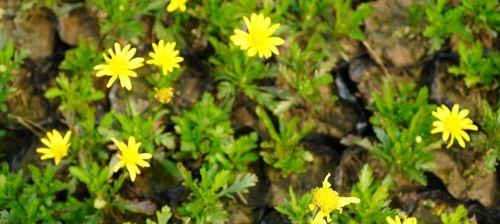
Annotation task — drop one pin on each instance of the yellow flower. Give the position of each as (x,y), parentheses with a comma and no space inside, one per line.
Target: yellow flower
(165,56)
(397,220)
(328,200)
(258,39)
(453,123)
(130,157)
(177,4)
(57,146)
(120,64)
(164,95)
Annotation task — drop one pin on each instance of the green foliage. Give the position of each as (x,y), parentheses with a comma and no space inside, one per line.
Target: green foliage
(221,23)
(122,17)
(305,77)
(236,73)
(490,124)
(204,204)
(283,150)
(444,23)
(21,202)
(482,15)
(347,21)
(457,217)
(296,209)
(402,126)
(375,199)
(478,68)
(98,181)
(10,60)
(148,128)
(81,60)
(74,93)
(162,216)
(205,132)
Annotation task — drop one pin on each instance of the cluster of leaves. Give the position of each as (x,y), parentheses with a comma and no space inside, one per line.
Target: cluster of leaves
(403,131)
(205,132)
(443,23)
(284,151)
(471,19)
(347,20)
(477,67)
(457,217)
(204,204)
(10,59)
(237,73)
(21,202)
(122,17)
(490,141)
(296,208)
(374,199)
(305,79)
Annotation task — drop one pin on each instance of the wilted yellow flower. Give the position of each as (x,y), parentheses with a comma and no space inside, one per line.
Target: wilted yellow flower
(130,157)
(165,94)
(397,220)
(328,200)
(120,64)
(165,56)
(177,4)
(453,123)
(258,39)
(57,146)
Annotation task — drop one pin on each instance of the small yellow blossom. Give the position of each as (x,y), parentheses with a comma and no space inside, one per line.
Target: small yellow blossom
(120,64)
(57,146)
(328,200)
(397,220)
(258,40)
(164,95)
(453,123)
(99,203)
(165,56)
(177,4)
(130,157)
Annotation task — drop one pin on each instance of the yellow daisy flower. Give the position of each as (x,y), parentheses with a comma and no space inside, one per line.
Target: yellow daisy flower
(130,157)
(177,4)
(57,146)
(258,40)
(397,220)
(165,56)
(453,123)
(120,64)
(164,95)
(328,200)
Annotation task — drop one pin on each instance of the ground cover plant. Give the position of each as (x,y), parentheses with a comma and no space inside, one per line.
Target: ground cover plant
(249,111)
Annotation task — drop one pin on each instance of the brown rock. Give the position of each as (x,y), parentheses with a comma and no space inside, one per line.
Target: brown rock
(34,32)
(336,120)
(76,25)
(370,78)
(387,33)
(477,186)
(23,98)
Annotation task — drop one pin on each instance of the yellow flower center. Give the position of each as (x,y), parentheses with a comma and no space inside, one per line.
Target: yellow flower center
(325,199)
(119,65)
(258,38)
(164,95)
(129,156)
(452,124)
(60,150)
